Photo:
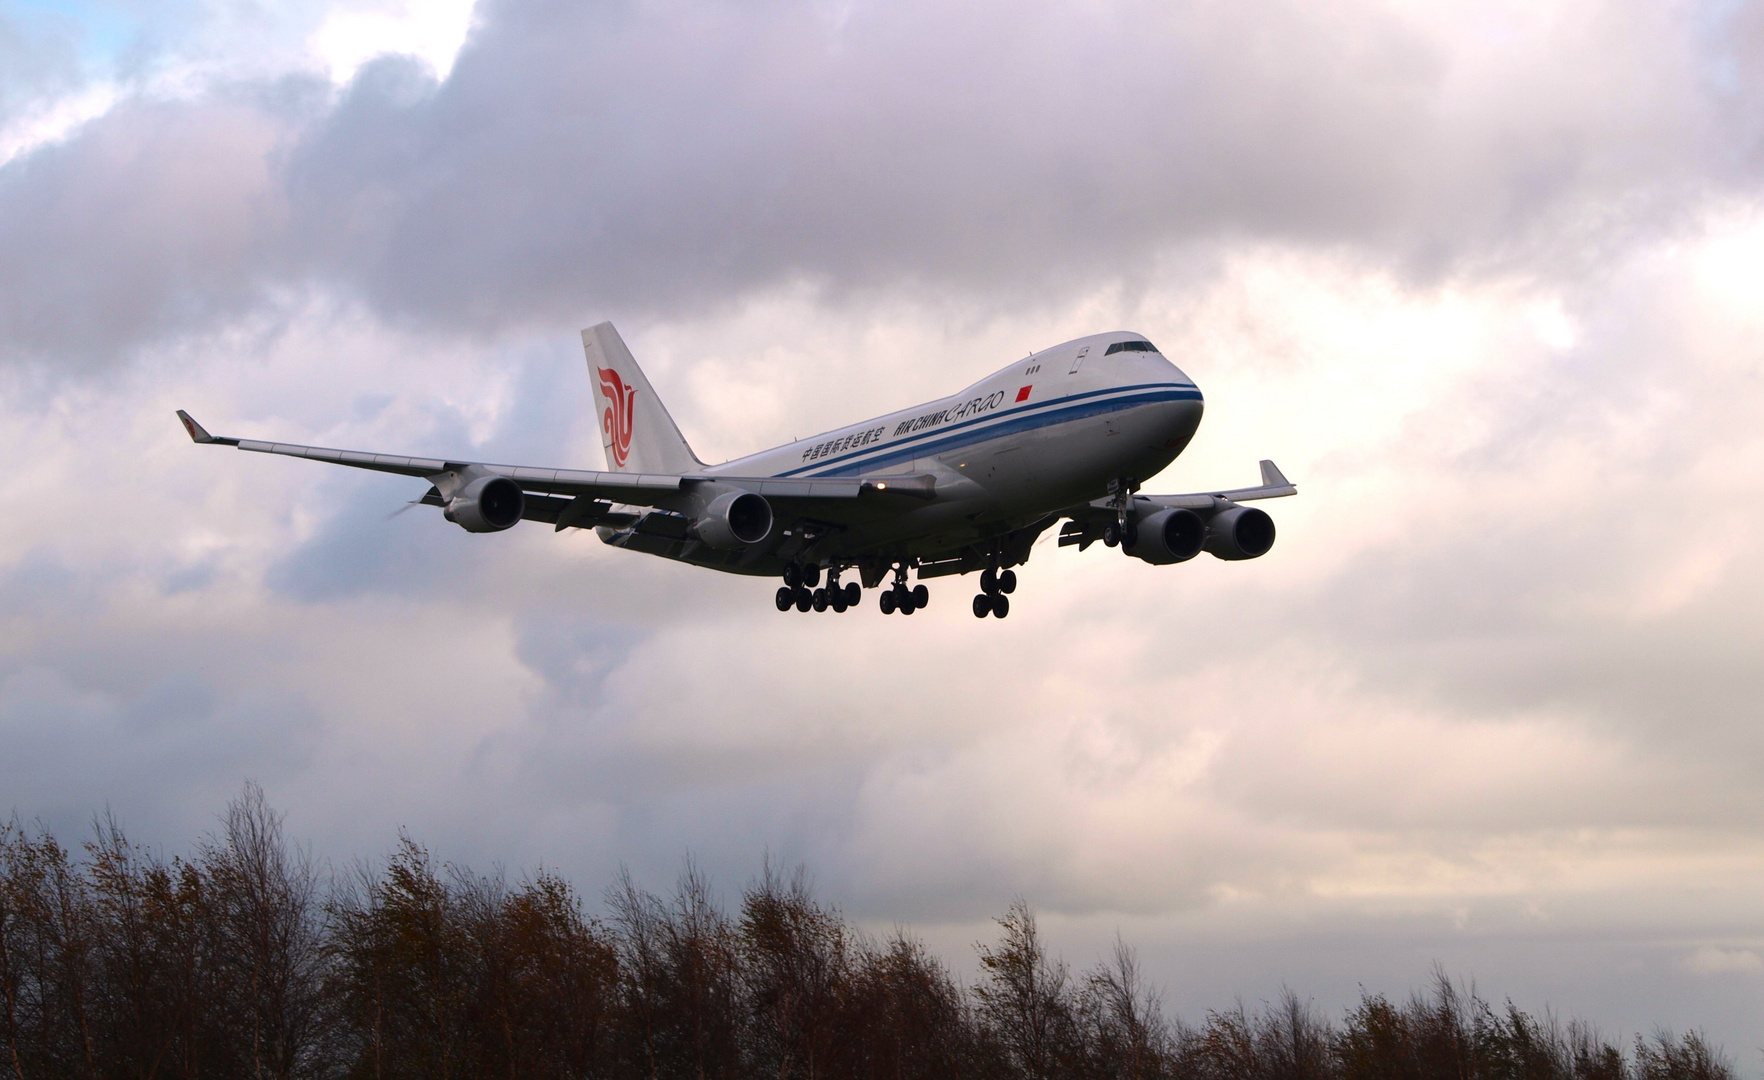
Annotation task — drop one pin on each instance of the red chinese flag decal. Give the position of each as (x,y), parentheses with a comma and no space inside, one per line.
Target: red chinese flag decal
(1023,394)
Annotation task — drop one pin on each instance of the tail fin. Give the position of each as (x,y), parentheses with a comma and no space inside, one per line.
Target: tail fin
(635,428)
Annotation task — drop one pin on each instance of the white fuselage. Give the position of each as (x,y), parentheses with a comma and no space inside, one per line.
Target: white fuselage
(1047,432)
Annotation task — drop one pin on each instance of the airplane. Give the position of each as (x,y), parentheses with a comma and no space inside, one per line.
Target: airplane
(963,484)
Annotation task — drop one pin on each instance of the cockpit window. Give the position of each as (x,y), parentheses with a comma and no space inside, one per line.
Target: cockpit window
(1130,346)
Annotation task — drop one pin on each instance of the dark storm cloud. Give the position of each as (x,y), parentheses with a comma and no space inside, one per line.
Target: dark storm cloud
(630,157)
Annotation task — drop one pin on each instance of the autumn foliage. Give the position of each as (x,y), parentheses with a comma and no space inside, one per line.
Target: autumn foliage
(245,960)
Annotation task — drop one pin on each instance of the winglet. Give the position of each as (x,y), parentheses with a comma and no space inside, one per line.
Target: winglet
(199,434)
(1272,476)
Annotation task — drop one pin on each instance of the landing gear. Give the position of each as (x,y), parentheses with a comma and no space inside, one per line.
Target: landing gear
(994,584)
(800,592)
(994,581)
(1123,531)
(900,598)
(1116,534)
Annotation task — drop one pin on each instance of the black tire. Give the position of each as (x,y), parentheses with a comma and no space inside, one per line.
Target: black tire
(905,603)
(804,599)
(820,599)
(836,600)
(1112,536)
(887,602)
(792,575)
(853,594)
(1001,605)
(811,575)
(786,598)
(988,581)
(1130,538)
(1007,582)
(921,596)
(982,605)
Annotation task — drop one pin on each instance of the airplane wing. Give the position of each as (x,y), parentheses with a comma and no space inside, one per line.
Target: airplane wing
(1274,485)
(1089,520)
(590,494)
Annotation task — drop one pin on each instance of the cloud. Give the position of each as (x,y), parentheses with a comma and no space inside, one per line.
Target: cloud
(1483,281)
(1709,960)
(664,160)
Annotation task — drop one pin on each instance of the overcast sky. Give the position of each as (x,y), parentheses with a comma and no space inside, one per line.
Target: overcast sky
(1487,281)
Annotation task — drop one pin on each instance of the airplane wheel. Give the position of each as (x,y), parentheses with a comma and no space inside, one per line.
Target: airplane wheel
(1112,536)
(836,600)
(904,604)
(804,599)
(988,581)
(820,599)
(887,602)
(1007,582)
(792,575)
(811,575)
(1001,605)
(853,594)
(1131,536)
(982,605)
(786,598)
(921,596)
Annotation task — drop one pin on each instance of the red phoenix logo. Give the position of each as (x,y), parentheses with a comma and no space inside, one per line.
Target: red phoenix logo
(616,420)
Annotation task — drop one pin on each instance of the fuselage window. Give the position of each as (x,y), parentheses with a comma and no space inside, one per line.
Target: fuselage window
(1130,346)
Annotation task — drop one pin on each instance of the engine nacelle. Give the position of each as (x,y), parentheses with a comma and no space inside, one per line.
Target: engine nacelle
(1242,532)
(734,520)
(1168,536)
(487,504)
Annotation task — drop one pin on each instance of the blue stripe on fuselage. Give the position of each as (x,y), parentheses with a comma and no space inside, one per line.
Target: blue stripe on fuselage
(1029,417)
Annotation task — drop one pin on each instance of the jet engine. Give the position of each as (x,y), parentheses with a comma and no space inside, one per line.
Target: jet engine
(733,520)
(1168,536)
(487,504)
(1241,532)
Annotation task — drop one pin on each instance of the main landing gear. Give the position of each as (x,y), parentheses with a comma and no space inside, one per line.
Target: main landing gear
(902,599)
(799,590)
(993,599)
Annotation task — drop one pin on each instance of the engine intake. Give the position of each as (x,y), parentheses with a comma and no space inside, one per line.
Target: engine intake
(733,520)
(1168,536)
(1242,532)
(487,504)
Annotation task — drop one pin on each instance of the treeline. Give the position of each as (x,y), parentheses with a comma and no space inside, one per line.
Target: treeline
(244,960)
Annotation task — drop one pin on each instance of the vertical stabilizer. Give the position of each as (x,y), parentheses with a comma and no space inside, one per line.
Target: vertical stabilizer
(635,428)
